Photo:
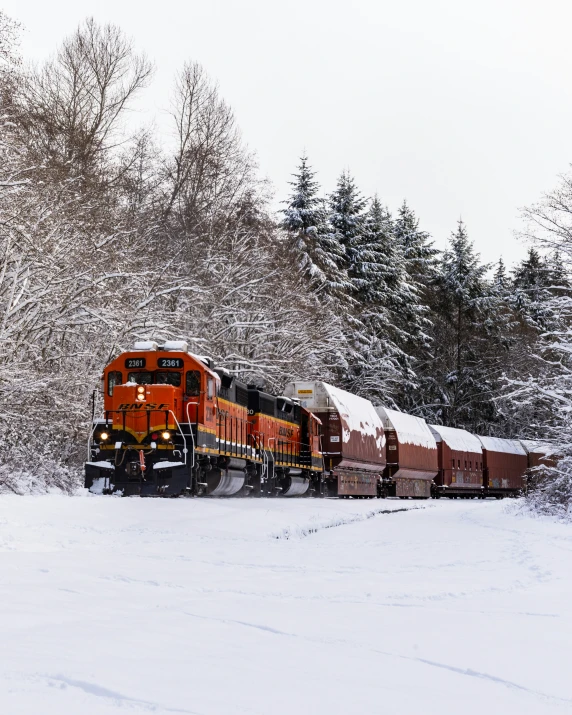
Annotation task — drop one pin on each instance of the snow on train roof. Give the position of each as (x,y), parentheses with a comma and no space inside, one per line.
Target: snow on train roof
(537,446)
(410,429)
(458,440)
(498,444)
(357,413)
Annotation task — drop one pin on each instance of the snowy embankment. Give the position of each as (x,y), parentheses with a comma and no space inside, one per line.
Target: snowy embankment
(278,607)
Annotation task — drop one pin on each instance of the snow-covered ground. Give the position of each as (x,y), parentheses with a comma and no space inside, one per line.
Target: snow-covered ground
(278,607)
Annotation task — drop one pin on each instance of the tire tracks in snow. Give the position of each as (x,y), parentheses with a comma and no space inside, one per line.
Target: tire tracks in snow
(101,692)
(466,672)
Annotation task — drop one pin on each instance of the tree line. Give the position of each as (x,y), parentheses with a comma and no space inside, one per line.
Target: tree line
(110,234)
(439,334)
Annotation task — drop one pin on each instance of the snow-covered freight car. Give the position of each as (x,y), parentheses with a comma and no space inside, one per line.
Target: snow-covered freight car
(460,463)
(353,437)
(412,459)
(540,453)
(504,466)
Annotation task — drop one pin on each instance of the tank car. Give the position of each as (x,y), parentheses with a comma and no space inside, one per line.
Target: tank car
(172,424)
(353,438)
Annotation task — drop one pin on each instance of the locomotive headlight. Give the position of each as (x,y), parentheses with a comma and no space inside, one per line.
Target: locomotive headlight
(166,435)
(141,390)
(104,436)
(140,397)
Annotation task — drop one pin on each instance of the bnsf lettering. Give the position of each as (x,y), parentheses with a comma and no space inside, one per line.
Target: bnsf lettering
(285,431)
(143,407)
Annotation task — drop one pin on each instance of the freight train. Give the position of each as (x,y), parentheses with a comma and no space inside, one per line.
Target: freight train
(174,424)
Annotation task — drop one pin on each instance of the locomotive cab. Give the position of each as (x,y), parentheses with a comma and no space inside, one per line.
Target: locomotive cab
(159,407)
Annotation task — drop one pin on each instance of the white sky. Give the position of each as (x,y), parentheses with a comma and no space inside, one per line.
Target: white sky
(463,107)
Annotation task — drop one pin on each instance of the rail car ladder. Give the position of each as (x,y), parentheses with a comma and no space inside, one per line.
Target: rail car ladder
(264,474)
(261,451)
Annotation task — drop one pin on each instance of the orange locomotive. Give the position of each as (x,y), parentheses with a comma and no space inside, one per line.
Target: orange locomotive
(173,425)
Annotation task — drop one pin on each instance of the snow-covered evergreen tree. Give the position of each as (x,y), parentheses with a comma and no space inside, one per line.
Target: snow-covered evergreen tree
(303,210)
(346,215)
(532,281)
(414,261)
(501,282)
(315,244)
(418,250)
(465,326)
(375,275)
(377,265)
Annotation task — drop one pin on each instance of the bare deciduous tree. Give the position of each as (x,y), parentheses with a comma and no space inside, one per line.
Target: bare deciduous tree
(72,106)
(211,171)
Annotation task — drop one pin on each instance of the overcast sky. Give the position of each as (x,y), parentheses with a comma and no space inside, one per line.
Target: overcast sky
(462,107)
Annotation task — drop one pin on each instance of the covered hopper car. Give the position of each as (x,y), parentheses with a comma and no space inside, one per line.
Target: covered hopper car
(540,453)
(412,459)
(353,438)
(460,463)
(504,466)
(543,457)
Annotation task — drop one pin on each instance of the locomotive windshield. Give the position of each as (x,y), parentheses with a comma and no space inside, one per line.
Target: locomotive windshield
(141,378)
(155,378)
(168,378)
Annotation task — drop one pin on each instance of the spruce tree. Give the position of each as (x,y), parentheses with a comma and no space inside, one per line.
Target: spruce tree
(466,367)
(374,272)
(314,245)
(418,251)
(501,310)
(416,258)
(376,268)
(532,281)
(303,208)
(347,207)
(501,281)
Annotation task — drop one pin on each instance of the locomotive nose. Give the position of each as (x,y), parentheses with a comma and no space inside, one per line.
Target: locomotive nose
(143,398)
(143,409)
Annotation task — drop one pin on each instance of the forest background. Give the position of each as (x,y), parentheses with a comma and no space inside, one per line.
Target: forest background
(109,235)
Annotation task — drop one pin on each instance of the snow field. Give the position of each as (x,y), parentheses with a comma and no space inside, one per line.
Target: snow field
(112,605)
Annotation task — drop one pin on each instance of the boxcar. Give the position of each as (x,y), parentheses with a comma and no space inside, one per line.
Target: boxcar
(353,438)
(504,466)
(460,463)
(412,459)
